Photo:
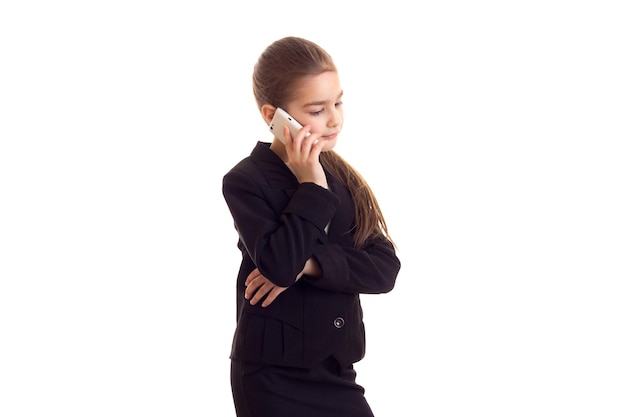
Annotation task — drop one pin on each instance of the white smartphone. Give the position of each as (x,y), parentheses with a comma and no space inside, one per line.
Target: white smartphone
(282,118)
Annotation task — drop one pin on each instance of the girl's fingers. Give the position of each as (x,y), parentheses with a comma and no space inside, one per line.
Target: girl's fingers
(253,283)
(262,292)
(287,135)
(272,296)
(252,276)
(254,293)
(260,288)
(298,139)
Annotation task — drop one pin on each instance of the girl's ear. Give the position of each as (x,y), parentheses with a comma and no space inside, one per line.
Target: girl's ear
(267,111)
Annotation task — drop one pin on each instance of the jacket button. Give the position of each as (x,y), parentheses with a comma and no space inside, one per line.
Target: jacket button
(339,322)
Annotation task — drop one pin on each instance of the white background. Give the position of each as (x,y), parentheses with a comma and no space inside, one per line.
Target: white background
(492,133)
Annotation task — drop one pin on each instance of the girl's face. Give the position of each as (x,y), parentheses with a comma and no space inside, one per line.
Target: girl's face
(318,104)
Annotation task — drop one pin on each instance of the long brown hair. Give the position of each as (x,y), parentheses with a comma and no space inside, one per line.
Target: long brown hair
(279,68)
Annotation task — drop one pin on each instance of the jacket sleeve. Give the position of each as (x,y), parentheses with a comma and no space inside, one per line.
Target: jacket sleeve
(278,232)
(370,270)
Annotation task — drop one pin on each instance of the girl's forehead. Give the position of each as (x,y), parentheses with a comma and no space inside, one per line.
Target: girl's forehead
(325,86)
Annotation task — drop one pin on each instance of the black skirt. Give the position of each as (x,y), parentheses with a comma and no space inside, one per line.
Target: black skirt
(326,390)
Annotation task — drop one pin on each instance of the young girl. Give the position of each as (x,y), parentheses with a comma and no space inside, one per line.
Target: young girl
(312,238)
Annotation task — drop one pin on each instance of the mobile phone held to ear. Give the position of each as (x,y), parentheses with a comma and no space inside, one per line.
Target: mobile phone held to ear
(280,119)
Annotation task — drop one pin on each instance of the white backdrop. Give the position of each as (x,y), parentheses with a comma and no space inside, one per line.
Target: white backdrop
(492,133)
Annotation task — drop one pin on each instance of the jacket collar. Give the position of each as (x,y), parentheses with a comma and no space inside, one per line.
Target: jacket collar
(275,170)
(279,176)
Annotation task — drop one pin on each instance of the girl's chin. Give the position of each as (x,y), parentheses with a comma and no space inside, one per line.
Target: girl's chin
(329,145)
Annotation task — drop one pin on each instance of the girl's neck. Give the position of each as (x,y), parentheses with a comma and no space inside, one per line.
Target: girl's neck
(279,149)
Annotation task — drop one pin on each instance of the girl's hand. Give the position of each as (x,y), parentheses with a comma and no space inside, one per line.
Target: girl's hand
(257,287)
(304,156)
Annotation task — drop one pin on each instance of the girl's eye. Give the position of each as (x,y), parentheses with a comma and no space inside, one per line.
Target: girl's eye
(316,113)
(339,103)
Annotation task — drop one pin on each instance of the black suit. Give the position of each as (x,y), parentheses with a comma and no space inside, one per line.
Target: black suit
(281,224)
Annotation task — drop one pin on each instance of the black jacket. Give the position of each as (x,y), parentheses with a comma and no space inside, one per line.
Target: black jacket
(281,224)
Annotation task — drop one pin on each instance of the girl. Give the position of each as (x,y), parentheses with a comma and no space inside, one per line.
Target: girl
(312,238)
